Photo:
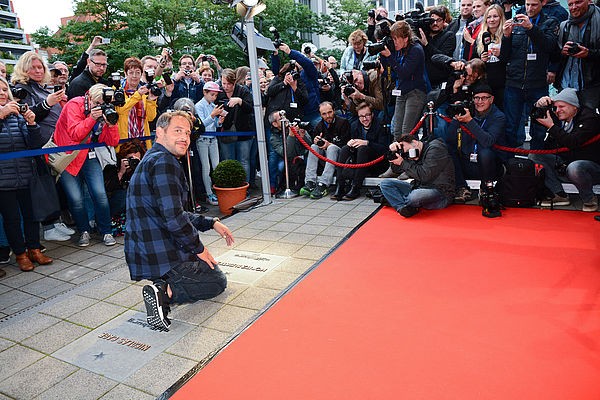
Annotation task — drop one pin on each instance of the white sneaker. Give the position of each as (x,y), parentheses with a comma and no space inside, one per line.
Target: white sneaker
(62,228)
(592,206)
(212,199)
(55,235)
(109,240)
(84,239)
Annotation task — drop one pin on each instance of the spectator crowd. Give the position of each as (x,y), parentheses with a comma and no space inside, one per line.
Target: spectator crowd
(489,73)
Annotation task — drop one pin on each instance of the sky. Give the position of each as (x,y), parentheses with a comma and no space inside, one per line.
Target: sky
(35,14)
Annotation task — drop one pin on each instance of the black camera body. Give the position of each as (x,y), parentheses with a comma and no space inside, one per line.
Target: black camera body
(574,48)
(490,200)
(324,80)
(540,112)
(277,37)
(320,142)
(371,13)
(301,124)
(460,108)
(132,162)
(108,109)
(417,19)
(295,74)
(152,86)
(385,43)
(367,65)
(20,94)
(23,108)
(348,89)
(119,94)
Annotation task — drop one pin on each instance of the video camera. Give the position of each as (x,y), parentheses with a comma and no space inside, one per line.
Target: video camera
(386,41)
(417,19)
(119,95)
(108,108)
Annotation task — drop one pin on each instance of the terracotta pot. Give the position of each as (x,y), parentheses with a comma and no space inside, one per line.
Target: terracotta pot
(229,197)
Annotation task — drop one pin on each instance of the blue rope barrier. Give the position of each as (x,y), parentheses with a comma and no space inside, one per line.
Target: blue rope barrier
(39,152)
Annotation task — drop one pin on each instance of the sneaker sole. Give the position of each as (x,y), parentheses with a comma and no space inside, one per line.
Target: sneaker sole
(304,192)
(83,244)
(557,204)
(154,313)
(57,238)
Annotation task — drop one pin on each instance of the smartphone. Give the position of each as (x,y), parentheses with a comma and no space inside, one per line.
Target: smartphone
(105,40)
(57,88)
(516,21)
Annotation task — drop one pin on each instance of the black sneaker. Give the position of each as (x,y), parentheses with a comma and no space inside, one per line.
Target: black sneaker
(4,255)
(320,191)
(307,188)
(408,211)
(156,307)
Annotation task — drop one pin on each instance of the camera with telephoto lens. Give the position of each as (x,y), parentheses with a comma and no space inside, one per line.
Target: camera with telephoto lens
(348,83)
(540,112)
(323,80)
(459,108)
(461,73)
(490,200)
(367,65)
(152,86)
(108,109)
(277,42)
(386,41)
(119,95)
(371,13)
(416,19)
(574,48)
(301,124)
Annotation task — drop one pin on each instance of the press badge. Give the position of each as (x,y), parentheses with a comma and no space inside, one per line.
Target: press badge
(91,154)
(473,157)
(293,105)
(531,57)
(396,92)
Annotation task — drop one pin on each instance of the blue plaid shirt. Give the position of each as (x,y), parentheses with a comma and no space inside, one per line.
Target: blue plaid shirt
(159,233)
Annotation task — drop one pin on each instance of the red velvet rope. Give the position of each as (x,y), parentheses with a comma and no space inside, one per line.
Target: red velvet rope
(337,164)
(523,151)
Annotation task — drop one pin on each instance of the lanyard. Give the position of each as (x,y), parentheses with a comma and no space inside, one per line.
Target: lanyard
(529,39)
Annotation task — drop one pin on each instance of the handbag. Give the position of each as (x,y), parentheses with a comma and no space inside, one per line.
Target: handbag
(42,187)
(59,161)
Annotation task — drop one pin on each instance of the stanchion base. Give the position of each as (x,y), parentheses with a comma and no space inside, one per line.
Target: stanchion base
(287,194)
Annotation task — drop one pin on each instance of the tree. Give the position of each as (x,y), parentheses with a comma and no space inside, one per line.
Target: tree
(345,16)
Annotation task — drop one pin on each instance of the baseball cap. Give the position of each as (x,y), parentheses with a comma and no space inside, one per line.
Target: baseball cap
(212,87)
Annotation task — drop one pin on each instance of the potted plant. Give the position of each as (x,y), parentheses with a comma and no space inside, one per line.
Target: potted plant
(229,184)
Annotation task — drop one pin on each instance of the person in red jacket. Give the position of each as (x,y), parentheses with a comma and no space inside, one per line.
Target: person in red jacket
(84,118)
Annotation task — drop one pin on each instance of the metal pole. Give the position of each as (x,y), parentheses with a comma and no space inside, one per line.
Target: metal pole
(189,163)
(288,193)
(430,107)
(258,117)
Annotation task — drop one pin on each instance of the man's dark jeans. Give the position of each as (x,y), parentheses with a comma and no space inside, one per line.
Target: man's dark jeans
(193,281)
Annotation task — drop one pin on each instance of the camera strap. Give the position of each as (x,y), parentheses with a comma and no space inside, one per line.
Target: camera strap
(86,104)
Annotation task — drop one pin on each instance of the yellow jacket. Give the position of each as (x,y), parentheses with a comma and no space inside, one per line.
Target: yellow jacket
(130,102)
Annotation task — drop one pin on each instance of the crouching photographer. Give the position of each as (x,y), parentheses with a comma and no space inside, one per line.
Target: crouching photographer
(569,125)
(473,156)
(432,171)
(363,87)
(118,175)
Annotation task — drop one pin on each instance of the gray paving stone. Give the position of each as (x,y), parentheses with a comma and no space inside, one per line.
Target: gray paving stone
(55,337)
(158,375)
(96,315)
(327,241)
(16,358)
(37,378)
(102,289)
(283,249)
(310,229)
(41,285)
(229,318)
(253,245)
(86,277)
(79,256)
(351,222)
(199,343)
(284,227)
(56,290)
(21,328)
(246,232)
(311,252)
(271,235)
(296,266)
(255,298)
(324,220)
(127,297)
(20,279)
(71,272)
(5,344)
(62,251)
(276,217)
(56,266)
(309,212)
(195,313)
(262,225)
(68,306)
(122,392)
(20,301)
(81,385)
(297,219)
(114,251)
(4,288)
(97,261)
(340,231)
(277,280)
(297,238)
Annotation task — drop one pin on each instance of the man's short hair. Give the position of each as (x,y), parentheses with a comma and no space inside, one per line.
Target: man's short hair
(187,56)
(272,116)
(165,118)
(407,138)
(363,105)
(97,53)
(146,58)
(228,74)
(326,103)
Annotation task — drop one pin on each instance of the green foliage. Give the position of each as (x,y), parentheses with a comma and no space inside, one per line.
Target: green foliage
(229,174)
(345,16)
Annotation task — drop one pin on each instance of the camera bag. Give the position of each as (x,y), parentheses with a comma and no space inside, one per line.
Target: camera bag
(522,184)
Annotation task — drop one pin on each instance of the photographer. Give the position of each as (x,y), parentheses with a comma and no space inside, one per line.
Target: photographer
(374,16)
(363,87)
(187,81)
(140,103)
(579,42)
(436,40)
(569,125)
(407,61)
(329,81)
(527,43)
(118,175)
(473,157)
(331,133)
(368,141)
(356,53)
(287,92)
(204,60)
(431,169)
(81,117)
(153,71)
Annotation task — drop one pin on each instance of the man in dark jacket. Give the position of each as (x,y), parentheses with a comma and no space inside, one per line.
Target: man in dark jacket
(430,165)
(437,41)
(368,141)
(526,48)
(458,25)
(575,126)
(96,67)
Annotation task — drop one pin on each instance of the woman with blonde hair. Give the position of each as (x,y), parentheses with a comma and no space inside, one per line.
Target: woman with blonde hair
(493,21)
(356,53)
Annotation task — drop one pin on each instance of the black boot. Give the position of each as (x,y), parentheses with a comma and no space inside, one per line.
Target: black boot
(353,193)
(339,191)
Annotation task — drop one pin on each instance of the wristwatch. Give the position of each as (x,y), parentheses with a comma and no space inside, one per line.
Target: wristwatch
(215,219)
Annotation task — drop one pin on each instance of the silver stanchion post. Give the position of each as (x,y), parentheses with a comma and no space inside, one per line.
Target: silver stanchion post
(288,193)
(189,170)
(430,113)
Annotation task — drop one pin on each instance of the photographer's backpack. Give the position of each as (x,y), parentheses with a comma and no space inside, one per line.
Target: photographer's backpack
(522,184)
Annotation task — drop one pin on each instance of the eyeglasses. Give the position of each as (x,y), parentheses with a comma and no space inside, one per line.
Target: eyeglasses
(481,98)
(101,65)
(436,20)
(366,116)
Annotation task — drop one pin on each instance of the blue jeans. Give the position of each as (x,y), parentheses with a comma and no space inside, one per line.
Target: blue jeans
(91,174)
(584,174)
(276,167)
(400,193)
(16,212)
(208,154)
(240,151)
(517,103)
(193,281)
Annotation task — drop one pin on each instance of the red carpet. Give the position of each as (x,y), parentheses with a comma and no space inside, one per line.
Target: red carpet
(445,305)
